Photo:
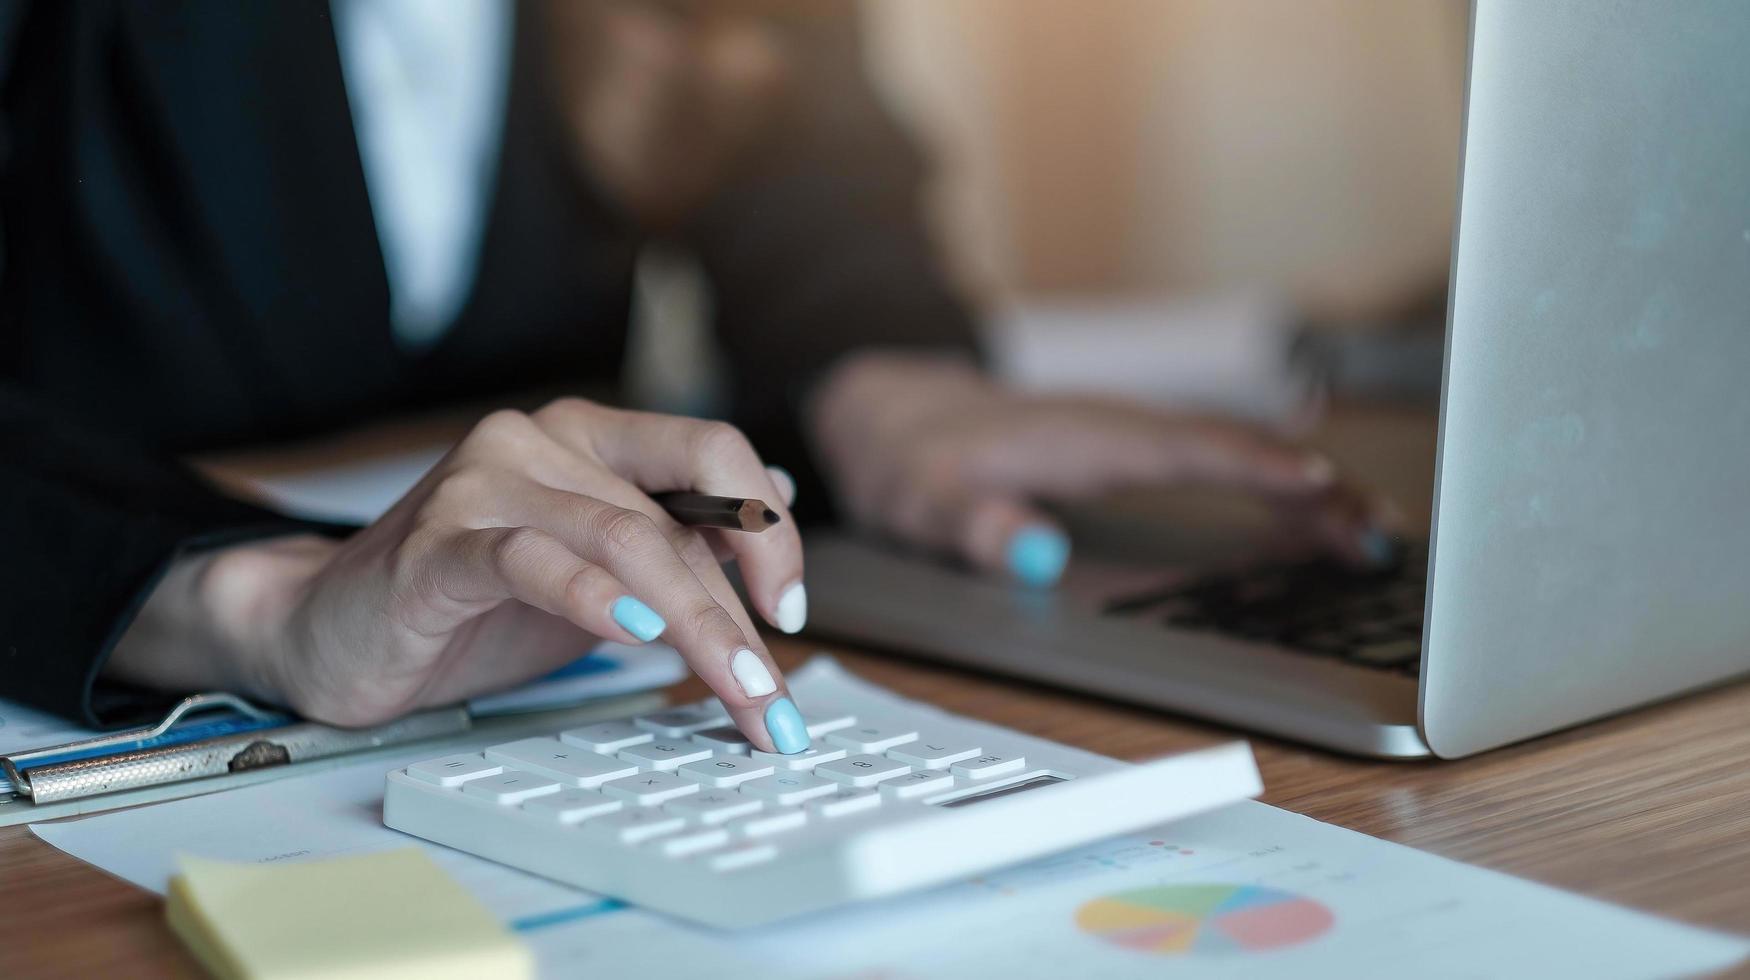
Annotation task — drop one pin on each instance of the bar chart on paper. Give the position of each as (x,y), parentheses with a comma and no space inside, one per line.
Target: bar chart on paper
(1204,919)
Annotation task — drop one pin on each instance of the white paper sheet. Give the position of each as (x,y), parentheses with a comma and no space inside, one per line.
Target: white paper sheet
(1303,899)
(27,728)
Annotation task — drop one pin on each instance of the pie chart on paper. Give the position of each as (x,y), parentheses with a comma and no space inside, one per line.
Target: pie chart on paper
(1173,920)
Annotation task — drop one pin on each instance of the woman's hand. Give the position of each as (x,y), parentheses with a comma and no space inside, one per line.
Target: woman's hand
(535,537)
(935,453)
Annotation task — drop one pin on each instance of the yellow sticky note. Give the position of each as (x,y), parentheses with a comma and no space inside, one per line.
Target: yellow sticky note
(381,915)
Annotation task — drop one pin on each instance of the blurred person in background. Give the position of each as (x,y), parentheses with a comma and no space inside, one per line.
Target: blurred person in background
(227,224)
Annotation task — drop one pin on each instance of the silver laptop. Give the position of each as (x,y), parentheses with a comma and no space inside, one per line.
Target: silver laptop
(1590,549)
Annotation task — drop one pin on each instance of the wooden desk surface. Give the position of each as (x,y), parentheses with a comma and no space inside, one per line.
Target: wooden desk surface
(1650,809)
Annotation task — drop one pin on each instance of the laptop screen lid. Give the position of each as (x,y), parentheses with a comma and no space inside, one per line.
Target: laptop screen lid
(1592,508)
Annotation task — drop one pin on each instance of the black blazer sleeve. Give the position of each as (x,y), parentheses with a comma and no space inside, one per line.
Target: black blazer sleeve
(819,247)
(89,525)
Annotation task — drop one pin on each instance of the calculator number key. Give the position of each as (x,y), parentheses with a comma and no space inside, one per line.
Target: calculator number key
(572,805)
(720,772)
(650,788)
(871,738)
(606,737)
(845,802)
(788,788)
(683,721)
(726,738)
(692,841)
(769,822)
(928,754)
(714,806)
(861,770)
(665,755)
(801,760)
(828,721)
(453,770)
(559,761)
(634,825)
(918,782)
(510,787)
(741,856)
(988,765)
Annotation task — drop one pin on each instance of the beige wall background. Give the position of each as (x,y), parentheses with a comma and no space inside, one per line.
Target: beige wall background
(1146,146)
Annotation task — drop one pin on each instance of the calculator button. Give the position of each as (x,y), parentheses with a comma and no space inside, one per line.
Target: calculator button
(560,762)
(789,788)
(831,721)
(692,842)
(664,755)
(801,760)
(714,806)
(606,736)
(769,822)
(683,721)
(633,825)
(927,754)
(846,802)
(726,738)
(510,787)
(872,738)
(725,770)
(986,766)
(453,770)
(650,788)
(572,805)
(742,856)
(918,782)
(861,770)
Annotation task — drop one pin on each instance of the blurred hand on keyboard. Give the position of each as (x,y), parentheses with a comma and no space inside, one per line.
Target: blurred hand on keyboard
(942,457)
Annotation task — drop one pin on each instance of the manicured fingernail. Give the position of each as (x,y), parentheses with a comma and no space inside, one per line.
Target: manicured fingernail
(792,612)
(637,618)
(751,673)
(784,724)
(785,483)
(1319,470)
(1381,547)
(1037,555)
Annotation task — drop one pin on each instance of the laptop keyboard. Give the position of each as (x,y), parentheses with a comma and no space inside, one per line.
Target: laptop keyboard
(1320,608)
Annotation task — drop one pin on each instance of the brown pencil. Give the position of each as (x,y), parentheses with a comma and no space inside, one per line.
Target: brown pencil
(707,510)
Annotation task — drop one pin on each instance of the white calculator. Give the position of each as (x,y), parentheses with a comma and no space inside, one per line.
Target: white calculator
(676,812)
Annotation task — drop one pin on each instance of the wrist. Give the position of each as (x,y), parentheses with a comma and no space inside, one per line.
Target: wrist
(880,392)
(218,620)
(246,598)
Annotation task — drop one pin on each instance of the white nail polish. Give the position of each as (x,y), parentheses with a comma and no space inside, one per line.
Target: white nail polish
(792,613)
(783,482)
(751,673)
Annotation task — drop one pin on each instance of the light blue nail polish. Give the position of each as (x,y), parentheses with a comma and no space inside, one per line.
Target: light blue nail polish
(1037,555)
(784,724)
(1380,547)
(639,619)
